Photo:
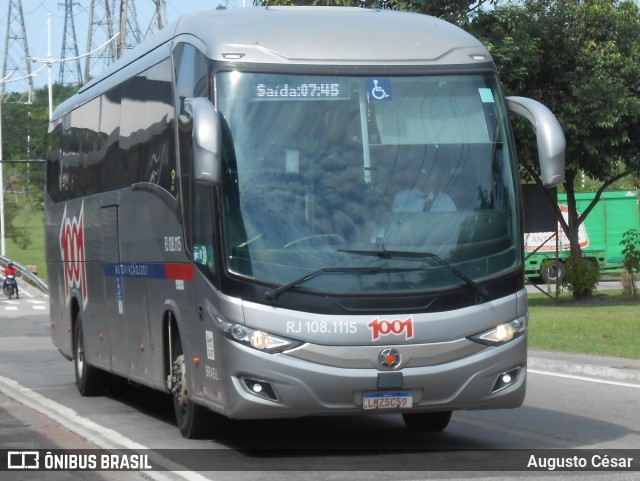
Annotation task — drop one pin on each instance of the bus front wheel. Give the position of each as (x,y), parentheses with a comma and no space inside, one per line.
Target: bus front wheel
(194,421)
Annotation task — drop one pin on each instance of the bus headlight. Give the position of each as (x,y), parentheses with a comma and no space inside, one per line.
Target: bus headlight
(257,339)
(503,333)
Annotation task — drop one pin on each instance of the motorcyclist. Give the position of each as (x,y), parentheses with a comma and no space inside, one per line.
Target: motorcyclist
(11,270)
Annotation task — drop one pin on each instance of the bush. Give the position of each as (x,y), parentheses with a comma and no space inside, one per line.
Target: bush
(631,252)
(582,277)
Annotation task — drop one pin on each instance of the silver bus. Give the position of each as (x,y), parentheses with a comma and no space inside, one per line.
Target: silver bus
(295,211)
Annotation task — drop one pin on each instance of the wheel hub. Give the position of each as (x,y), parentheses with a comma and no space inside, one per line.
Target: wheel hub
(178,378)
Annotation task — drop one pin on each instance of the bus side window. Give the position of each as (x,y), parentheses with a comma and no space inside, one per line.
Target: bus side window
(158,164)
(110,132)
(146,129)
(192,80)
(131,130)
(54,154)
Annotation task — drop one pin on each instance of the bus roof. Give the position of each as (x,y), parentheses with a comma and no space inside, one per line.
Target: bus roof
(347,36)
(331,35)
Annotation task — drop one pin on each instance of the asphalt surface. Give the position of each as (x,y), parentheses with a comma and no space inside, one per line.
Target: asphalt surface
(24,428)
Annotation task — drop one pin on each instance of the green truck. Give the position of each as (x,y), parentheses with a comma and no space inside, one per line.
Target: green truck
(599,235)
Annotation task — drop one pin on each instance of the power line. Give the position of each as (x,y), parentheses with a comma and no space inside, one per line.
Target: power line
(69,44)
(100,22)
(130,32)
(16,35)
(103,16)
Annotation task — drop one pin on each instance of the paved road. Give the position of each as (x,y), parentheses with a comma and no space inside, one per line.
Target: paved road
(30,298)
(573,402)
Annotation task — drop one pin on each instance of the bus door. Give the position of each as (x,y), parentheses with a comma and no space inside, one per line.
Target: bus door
(126,301)
(112,284)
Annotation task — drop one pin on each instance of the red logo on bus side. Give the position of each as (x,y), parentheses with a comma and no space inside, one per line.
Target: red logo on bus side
(384,327)
(72,252)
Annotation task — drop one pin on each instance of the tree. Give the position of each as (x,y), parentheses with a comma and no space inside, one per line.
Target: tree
(581,58)
(24,136)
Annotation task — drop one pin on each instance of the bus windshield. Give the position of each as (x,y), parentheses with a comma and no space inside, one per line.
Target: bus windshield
(324,168)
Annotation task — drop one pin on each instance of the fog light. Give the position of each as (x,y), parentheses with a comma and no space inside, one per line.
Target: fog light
(505,380)
(260,388)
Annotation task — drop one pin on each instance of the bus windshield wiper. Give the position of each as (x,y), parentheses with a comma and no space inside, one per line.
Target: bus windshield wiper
(276,291)
(422,256)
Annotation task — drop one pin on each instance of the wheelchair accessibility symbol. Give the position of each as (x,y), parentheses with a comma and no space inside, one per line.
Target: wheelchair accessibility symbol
(379,89)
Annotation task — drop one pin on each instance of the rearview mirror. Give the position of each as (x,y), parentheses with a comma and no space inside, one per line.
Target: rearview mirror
(549,135)
(206,137)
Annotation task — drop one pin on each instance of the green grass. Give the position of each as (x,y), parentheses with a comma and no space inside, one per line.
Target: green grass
(608,324)
(34,253)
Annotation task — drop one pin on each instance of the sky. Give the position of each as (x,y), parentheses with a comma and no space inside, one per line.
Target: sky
(35,19)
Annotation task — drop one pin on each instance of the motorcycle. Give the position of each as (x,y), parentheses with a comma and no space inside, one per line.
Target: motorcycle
(11,286)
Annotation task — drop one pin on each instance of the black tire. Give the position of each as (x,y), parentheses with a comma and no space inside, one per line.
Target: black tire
(427,422)
(552,271)
(90,380)
(194,421)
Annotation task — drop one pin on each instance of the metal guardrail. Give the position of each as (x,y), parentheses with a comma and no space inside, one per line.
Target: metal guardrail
(25,274)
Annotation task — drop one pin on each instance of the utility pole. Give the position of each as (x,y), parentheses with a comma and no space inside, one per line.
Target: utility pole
(130,33)
(122,22)
(21,68)
(69,45)
(157,23)
(104,15)
(159,18)
(16,34)
(100,21)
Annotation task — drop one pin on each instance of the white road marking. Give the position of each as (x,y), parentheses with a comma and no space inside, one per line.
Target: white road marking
(12,305)
(100,435)
(583,378)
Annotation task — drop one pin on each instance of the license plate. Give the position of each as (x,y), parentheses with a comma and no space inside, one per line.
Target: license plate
(387,400)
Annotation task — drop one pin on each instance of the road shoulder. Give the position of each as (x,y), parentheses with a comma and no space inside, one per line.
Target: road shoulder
(598,367)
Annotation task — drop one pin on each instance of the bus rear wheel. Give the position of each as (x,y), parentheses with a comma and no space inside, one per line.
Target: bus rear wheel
(90,381)
(194,421)
(427,422)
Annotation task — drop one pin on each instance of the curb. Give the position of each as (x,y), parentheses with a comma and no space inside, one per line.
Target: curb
(601,367)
